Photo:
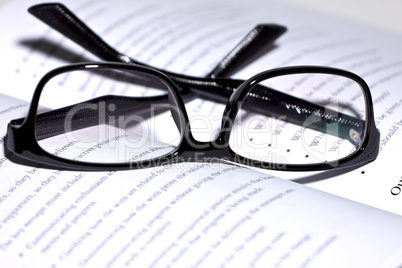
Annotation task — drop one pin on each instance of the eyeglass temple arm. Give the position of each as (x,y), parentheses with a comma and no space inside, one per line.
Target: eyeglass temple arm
(63,20)
(60,18)
(90,113)
(255,43)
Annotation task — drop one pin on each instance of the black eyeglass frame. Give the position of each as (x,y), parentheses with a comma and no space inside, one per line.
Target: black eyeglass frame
(21,139)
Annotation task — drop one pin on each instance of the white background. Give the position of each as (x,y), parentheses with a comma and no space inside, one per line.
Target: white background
(381,13)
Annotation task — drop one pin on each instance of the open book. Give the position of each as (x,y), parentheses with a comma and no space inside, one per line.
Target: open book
(201,215)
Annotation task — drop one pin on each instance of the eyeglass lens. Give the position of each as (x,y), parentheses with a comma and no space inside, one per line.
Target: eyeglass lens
(111,120)
(326,128)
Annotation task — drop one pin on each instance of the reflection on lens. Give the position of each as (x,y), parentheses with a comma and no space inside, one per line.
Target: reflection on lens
(106,116)
(323,121)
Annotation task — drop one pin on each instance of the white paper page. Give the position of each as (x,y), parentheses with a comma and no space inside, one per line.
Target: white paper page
(180,216)
(202,42)
(375,56)
(185,215)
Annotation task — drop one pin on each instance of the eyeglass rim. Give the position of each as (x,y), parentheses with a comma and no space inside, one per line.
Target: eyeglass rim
(367,151)
(28,147)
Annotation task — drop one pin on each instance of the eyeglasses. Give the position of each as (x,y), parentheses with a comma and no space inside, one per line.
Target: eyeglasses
(131,116)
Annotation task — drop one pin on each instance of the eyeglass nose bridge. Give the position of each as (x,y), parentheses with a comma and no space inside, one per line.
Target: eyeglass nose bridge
(204,151)
(189,142)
